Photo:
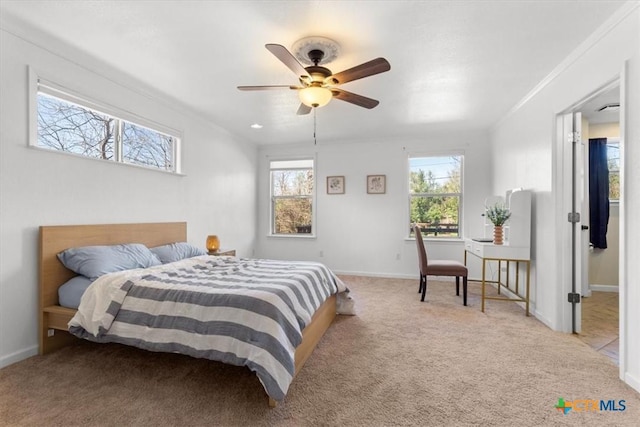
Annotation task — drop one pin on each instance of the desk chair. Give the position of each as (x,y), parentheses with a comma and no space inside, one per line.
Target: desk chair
(439,268)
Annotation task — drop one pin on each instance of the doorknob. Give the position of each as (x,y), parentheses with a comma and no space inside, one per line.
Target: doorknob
(584,227)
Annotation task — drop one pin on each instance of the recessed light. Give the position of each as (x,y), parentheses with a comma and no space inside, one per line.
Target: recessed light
(256,126)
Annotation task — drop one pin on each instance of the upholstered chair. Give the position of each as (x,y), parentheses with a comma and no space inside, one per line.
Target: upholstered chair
(439,268)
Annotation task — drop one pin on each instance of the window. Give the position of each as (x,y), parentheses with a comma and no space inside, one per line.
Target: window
(435,195)
(69,124)
(613,161)
(292,189)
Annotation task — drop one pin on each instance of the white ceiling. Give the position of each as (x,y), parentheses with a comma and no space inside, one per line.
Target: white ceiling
(455,65)
(590,110)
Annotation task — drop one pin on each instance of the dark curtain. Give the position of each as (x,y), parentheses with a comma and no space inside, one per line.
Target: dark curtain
(598,192)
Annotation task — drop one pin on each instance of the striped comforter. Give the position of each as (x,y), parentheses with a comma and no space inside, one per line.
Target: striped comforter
(244,312)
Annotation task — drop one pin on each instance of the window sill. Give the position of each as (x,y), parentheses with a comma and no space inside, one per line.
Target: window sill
(104,161)
(291,236)
(437,239)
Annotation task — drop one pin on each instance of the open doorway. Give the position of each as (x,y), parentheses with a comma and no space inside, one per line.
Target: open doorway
(600,243)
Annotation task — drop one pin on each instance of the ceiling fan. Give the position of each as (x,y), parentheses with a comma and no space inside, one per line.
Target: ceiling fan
(317,83)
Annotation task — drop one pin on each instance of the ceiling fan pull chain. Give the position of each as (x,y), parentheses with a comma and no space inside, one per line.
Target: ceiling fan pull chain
(315,142)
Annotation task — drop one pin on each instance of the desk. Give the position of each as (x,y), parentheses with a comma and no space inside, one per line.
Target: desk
(490,252)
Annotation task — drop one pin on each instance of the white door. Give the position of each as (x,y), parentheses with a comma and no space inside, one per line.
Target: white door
(573,182)
(583,194)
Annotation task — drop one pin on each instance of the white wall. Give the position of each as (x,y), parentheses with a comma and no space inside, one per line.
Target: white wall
(604,130)
(362,233)
(524,155)
(38,187)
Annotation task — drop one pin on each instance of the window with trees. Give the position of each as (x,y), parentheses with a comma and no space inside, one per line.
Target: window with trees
(435,195)
(66,123)
(292,190)
(613,160)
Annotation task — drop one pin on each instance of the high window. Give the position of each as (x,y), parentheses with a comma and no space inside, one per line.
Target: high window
(68,123)
(435,195)
(292,190)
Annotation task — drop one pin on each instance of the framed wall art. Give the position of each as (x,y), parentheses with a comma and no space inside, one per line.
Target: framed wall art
(376,184)
(335,185)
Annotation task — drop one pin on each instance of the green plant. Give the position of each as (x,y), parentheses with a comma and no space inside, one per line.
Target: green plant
(498,214)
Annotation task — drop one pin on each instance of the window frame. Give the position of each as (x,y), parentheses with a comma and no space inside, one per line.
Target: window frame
(38,85)
(432,154)
(312,197)
(616,142)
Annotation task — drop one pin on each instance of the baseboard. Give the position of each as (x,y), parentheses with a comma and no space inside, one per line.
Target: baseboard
(632,381)
(18,356)
(543,319)
(604,288)
(370,274)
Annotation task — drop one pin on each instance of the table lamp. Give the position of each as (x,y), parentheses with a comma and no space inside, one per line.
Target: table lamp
(213,243)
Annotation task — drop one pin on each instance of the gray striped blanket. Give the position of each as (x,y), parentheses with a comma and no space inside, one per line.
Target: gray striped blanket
(243,312)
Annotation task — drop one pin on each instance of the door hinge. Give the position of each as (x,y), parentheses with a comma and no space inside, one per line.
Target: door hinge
(573,217)
(573,137)
(574,297)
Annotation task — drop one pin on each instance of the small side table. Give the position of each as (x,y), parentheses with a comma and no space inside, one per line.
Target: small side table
(223,252)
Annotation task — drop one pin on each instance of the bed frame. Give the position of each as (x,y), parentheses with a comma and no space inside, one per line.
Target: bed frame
(54,239)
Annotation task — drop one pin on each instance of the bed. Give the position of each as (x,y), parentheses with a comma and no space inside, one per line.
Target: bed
(54,319)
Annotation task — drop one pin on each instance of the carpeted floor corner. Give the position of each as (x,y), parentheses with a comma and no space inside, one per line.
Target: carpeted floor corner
(398,362)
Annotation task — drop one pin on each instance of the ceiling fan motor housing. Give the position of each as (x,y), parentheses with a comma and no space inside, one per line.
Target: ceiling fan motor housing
(318,73)
(318,82)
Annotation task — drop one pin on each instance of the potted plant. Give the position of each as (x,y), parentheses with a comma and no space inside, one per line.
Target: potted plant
(498,214)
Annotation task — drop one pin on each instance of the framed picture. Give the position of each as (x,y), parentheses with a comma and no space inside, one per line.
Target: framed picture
(335,185)
(376,184)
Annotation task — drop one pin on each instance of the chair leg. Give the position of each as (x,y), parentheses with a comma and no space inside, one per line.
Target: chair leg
(464,290)
(457,285)
(424,288)
(420,288)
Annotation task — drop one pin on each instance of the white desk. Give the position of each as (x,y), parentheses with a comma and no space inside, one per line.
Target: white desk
(490,252)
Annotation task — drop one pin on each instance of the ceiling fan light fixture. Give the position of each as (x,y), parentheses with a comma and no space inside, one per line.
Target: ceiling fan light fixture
(314,96)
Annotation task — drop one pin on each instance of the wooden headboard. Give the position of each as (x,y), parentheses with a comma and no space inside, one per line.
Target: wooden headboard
(55,239)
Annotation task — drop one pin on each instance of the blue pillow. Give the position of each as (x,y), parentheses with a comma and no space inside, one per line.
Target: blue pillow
(70,293)
(94,261)
(176,251)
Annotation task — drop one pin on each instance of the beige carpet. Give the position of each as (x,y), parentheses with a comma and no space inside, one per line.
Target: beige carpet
(399,362)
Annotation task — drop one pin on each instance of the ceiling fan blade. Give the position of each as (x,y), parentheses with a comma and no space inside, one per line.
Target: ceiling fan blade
(359,100)
(303,109)
(375,66)
(287,59)
(268,87)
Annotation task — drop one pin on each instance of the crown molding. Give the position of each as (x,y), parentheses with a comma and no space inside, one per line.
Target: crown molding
(609,25)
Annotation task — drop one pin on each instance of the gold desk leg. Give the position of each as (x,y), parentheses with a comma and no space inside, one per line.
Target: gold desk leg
(484,262)
(506,282)
(517,277)
(499,275)
(527,292)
